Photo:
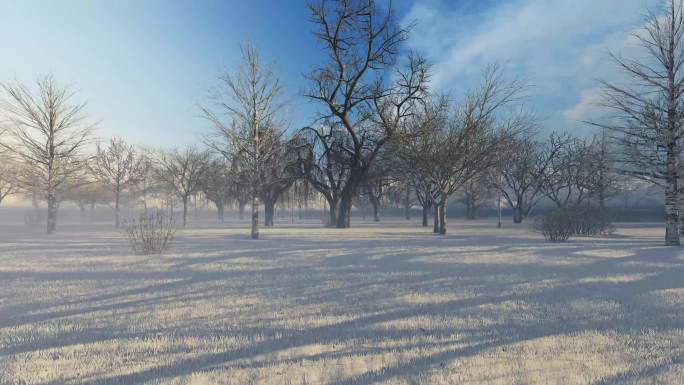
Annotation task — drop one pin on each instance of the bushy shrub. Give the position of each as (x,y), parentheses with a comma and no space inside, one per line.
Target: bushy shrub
(556,225)
(150,233)
(592,222)
(560,224)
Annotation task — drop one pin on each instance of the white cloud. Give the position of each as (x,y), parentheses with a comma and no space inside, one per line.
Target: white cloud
(559,46)
(587,108)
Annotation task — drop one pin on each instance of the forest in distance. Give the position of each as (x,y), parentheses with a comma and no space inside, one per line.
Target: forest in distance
(382,135)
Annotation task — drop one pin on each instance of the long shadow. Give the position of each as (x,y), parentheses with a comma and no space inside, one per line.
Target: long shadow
(373,259)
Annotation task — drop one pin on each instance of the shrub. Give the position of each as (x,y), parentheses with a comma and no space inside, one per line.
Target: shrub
(150,233)
(556,225)
(592,222)
(560,224)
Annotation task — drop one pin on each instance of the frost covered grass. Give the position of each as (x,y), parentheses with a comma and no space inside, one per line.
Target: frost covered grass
(386,304)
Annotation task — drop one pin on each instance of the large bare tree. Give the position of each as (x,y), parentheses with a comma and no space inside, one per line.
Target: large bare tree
(247,114)
(647,111)
(118,167)
(48,133)
(464,140)
(362,110)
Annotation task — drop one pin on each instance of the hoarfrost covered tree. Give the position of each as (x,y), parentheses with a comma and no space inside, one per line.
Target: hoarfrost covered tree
(119,167)
(181,171)
(362,110)
(246,113)
(48,133)
(647,112)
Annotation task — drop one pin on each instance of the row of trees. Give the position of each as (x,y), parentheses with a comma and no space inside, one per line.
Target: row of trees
(380,132)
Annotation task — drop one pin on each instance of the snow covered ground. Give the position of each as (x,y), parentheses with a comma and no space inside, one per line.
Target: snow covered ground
(389,304)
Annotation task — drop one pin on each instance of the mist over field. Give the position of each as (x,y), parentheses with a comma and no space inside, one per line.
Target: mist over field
(342,192)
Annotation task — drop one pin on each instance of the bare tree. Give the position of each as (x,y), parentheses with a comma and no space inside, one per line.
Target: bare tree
(241,190)
(278,174)
(647,111)
(464,141)
(47,134)
(182,172)
(475,194)
(362,109)
(325,163)
(580,172)
(523,168)
(566,180)
(149,184)
(9,173)
(604,180)
(377,182)
(118,167)
(250,99)
(88,195)
(217,183)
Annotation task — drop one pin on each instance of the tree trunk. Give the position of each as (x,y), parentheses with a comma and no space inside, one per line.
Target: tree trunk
(376,210)
(671,198)
(344,210)
(241,210)
(442,218)
(52,212)
(333,210)
(92,211)
(117,195)
(255,217)
(471,212)
(219,211)
(269,212)
(407,203)
(681,210)
(425,216)
(498,210)
(517,214)
(435,225)
(185,210)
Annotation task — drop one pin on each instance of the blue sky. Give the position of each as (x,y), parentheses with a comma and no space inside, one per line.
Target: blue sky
(143,65)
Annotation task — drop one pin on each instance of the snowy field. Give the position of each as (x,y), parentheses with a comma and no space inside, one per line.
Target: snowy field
(385,304)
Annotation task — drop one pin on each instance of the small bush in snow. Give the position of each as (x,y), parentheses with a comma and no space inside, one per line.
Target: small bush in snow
(560,224)
(557,225)
(592,222)
(150,233)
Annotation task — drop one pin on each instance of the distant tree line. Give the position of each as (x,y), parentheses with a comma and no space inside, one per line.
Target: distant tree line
(382,138)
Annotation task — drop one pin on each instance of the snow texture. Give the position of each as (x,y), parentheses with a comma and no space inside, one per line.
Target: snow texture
(385,304)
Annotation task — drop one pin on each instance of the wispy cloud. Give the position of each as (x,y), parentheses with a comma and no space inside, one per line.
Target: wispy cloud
(561,47)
